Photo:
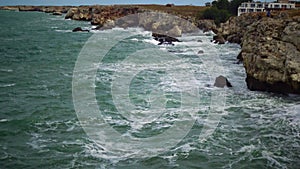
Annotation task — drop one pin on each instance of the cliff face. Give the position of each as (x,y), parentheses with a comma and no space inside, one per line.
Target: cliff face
(99,15)
(270,50)
(56,10)
(136,16)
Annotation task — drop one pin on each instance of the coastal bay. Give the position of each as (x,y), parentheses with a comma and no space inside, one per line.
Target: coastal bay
(40,128)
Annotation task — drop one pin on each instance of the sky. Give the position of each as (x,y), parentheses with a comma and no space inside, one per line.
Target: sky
(100,2)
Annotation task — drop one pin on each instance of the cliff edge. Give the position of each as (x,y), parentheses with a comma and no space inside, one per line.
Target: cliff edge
(270,49)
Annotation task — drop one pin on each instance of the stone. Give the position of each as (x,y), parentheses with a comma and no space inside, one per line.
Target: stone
(164,39)
(221,82)
(200,52)
(79,29)
(219,39)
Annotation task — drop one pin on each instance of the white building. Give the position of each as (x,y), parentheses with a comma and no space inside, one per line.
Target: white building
(281,5)
(248,7)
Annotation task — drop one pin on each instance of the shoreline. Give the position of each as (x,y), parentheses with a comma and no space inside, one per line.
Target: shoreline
(270,45)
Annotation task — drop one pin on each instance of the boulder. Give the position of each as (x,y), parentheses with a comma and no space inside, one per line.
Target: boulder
(221,82)
(164,39)
(219,39)
(200,52)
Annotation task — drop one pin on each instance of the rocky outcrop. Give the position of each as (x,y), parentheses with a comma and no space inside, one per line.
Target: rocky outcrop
(172,21)
(206,25)
(56,10)
(83,13)
(270,50)
(106,14)
(271,55)
(11,8)
(164,39)
(235,28)
(219,39)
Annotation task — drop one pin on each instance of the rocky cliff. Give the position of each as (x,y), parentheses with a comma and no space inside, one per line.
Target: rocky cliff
(47,9)
(270,49)
(108,15)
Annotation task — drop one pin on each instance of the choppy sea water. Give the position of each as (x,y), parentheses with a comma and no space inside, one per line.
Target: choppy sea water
(39,126)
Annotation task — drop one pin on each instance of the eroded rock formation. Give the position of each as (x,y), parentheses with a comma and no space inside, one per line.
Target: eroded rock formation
(270,50)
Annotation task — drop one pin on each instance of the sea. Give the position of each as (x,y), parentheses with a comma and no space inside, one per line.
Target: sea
(115,99)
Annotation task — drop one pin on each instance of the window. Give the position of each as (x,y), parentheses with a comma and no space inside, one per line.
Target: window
(258,10)
(251,10)
(276,6)
(252,5)
(243,10)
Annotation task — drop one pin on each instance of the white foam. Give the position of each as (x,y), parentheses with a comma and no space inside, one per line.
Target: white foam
(6,70)
(152,41)
(134,39)
(7,85)
(57,30)
(4,120)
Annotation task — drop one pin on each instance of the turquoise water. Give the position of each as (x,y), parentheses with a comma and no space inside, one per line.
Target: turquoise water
(39,127)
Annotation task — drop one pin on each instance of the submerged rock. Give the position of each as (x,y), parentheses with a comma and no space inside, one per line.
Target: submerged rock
(221,82)
(79,29)
(200,52)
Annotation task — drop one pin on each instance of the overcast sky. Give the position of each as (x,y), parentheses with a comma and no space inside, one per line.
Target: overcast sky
(101,2)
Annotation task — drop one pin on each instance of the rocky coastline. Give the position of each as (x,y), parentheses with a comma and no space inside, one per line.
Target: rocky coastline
(106,14)
(270,45)
(270,49)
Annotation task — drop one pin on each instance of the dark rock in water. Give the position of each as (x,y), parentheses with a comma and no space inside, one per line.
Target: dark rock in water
(221,82)
(79,29)
(200,52)
(199,41)
(57,13)
(164,39)
(219,39)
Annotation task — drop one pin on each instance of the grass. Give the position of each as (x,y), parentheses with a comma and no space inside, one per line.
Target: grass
(181,10)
